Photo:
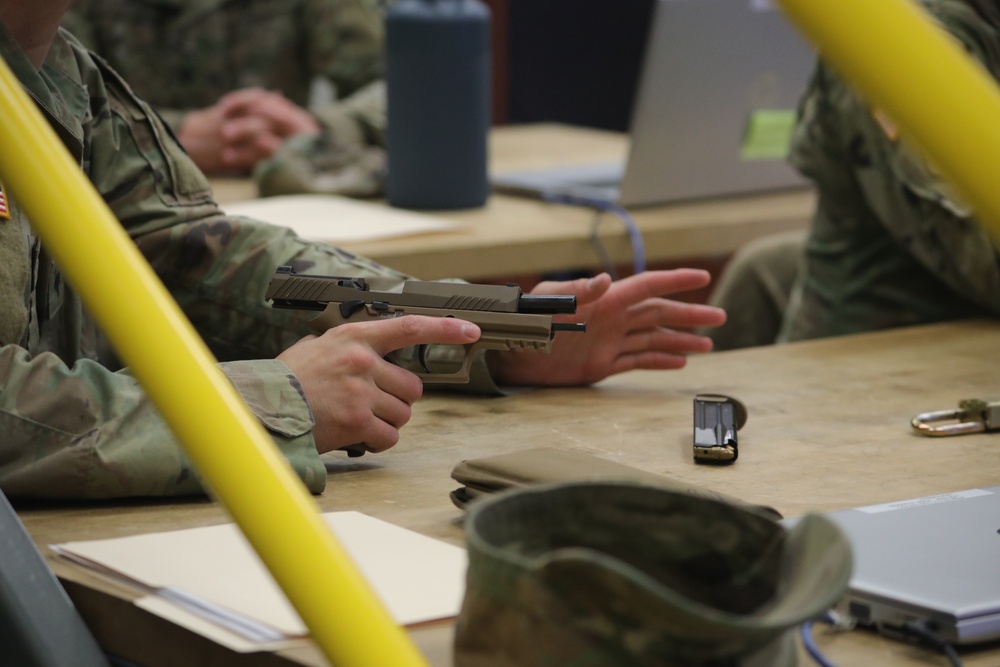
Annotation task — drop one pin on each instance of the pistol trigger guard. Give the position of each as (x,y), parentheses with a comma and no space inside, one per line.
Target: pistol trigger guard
(460,376)
(422,359)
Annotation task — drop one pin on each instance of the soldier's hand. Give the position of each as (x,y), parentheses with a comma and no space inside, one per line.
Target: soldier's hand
(630,325)
(354,394)
(284,118)
(248,140)
(241,129)
(201,135)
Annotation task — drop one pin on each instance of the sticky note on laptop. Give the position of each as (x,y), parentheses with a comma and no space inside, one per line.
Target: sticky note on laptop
(768,134)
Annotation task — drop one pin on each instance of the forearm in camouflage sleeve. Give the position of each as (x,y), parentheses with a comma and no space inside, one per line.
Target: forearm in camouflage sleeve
(218,269)
(84,432)
(346,158)
(359,117)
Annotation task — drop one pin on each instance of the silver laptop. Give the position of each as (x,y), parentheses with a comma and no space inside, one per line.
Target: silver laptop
(713,113)
(935,559)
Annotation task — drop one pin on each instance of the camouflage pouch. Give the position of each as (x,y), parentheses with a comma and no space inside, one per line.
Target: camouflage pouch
(619,574)
(547,465)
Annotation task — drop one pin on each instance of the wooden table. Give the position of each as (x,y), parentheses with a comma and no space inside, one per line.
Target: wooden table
(515,235)
(828,429)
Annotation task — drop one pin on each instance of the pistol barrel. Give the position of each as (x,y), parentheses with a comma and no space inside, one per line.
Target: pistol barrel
(547,304)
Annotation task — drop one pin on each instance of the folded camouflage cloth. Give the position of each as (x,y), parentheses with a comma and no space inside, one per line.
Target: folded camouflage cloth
(488,475)
(619,574)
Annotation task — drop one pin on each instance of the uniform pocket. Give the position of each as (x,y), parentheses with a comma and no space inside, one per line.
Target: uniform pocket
(178,181)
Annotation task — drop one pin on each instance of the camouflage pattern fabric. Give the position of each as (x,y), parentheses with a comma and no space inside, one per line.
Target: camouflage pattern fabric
(619,574)
(891,244)
(74,423)
(351,165)
(182,55)
(754,290)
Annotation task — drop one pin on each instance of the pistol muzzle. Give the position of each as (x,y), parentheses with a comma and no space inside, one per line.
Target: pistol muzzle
(540,304)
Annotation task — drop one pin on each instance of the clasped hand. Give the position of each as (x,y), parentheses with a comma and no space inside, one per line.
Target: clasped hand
(243,128)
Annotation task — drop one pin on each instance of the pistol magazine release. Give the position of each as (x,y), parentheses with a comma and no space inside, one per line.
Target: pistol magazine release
(508,318)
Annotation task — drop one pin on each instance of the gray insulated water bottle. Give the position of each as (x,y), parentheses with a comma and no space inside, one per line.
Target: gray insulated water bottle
(438,80)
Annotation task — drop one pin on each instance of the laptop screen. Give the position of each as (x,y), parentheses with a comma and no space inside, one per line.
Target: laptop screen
(716,101)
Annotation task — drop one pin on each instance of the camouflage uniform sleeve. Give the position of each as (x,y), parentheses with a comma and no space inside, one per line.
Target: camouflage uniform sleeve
(346,158)
(931,220)
(84,432)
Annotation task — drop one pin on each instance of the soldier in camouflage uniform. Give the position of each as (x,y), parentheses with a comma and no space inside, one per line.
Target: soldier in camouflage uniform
(233,80)
(890,244)
(74,426)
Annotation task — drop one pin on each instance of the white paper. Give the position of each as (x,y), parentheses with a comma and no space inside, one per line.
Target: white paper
(417,578)
(333,219)
(220,634)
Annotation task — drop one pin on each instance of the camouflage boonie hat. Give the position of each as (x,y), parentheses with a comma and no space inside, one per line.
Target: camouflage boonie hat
(616,574)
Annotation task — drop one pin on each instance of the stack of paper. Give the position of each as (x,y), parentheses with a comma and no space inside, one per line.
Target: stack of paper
(211,580)
(332,219)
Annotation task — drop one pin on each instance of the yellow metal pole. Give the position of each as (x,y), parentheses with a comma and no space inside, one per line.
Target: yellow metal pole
(226,443)
(905,65)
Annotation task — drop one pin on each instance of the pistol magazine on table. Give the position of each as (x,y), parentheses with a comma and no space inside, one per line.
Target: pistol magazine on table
(717,418)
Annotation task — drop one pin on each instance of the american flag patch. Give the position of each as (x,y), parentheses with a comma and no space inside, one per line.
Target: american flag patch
(4,206)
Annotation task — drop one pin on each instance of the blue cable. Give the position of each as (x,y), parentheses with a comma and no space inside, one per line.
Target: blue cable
(810,644)
(919,630)
(635,236)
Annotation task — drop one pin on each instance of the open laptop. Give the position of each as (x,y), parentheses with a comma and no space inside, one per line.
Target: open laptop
(933,559)
(713,113)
